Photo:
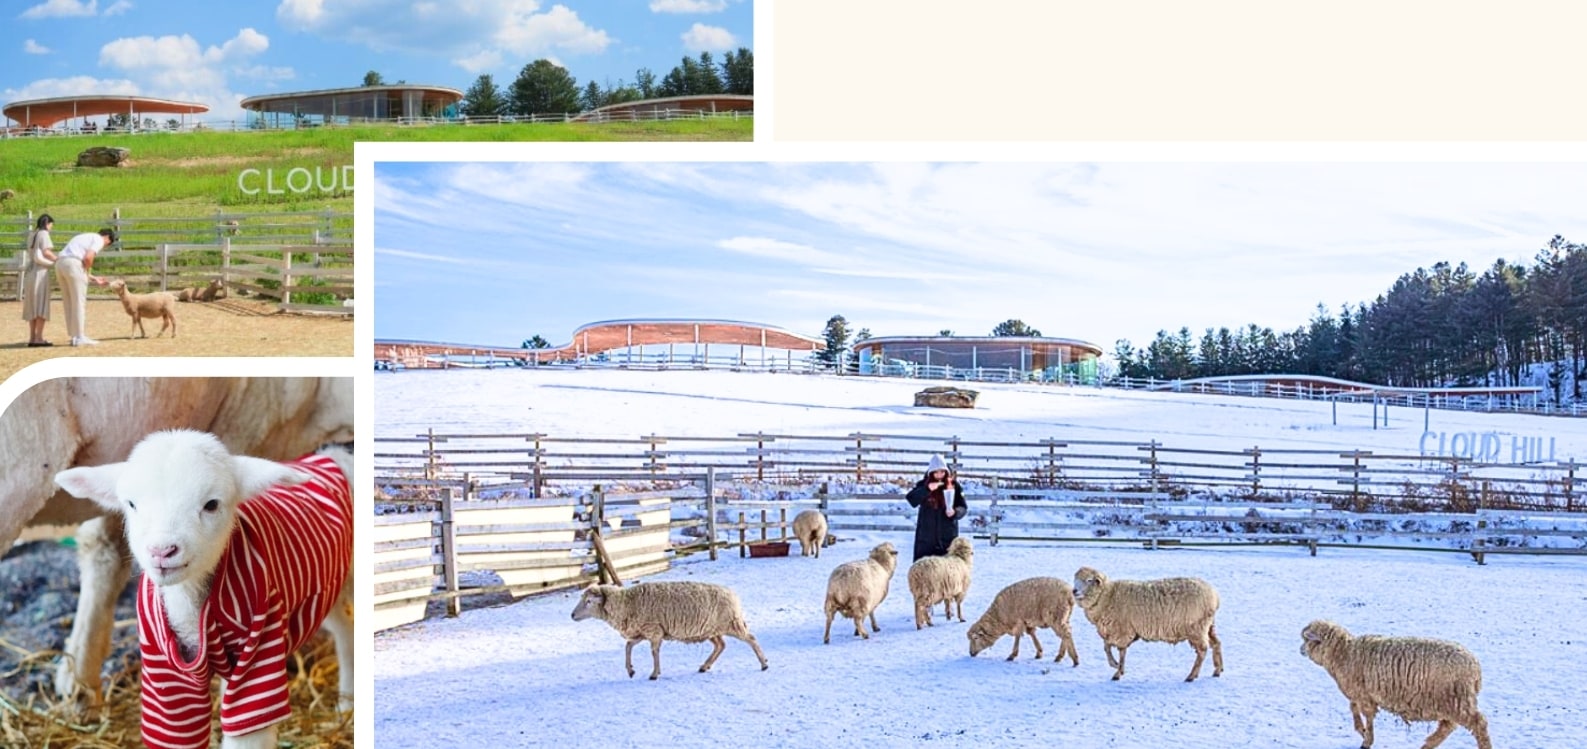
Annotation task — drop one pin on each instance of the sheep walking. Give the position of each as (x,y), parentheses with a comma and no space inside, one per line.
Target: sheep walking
(681,611)
(944,580)
(1415,678)
(1171,610)
(810,527)
(243,560)
(856,588)
(1022,608)
(161,304)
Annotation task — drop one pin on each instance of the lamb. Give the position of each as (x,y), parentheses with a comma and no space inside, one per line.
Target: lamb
(856,588)
(189,294)
(944,580)
(681,611)
(215,290)
(810,527)
(161,304)
(1023,607)
(243,560)
(1415,678)
(1171,610)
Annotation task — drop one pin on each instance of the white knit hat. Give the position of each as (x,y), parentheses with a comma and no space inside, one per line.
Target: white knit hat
(936,464)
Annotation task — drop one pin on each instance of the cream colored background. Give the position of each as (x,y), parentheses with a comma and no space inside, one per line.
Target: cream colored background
(1226,70)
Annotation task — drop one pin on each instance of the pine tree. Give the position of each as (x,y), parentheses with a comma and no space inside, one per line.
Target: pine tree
(543,87)
(738,71)
(483,99)
(593,97)
(837,339)
(1016,329)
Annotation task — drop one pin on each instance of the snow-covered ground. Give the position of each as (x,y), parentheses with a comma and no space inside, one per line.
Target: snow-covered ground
(525,674)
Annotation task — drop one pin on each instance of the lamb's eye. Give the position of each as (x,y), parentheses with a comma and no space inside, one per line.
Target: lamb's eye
(212,505)
(131,506)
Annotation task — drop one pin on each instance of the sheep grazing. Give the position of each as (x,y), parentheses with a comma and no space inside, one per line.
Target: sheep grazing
(856,588)
(810,527)
(1021,609)
(1171,610)
(243,560)
(1415,678)
(161,304)
(682,611)
(944,580)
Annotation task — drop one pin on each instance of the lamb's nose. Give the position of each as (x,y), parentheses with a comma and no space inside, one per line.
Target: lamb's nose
(162,552)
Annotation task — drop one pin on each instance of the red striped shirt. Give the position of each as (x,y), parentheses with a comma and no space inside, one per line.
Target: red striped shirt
(283,568)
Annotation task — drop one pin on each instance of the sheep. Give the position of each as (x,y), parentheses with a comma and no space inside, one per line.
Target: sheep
(856,588)
(944,579)
(243,559)
(7,194)
(1023,607)
(810,527)
(88,421)
(215,290)
(161,304)
(681,611)
(1171,610)
(1415,678)
(189,294)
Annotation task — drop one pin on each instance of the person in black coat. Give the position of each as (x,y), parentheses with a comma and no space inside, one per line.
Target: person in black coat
(941,503)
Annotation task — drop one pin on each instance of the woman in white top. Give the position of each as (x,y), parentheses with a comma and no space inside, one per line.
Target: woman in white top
(72,267)
(36,262)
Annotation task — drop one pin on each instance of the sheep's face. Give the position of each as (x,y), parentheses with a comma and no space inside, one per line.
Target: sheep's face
(117,286)
(886,555)
(1088,586)
(980,638)
(178,491)
(1315,637)
(592,603)
(961,548)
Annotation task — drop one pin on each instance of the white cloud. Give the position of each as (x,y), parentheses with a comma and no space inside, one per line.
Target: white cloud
(49,88)
(178,67)
(703,38)
(687,6)
(119,7)
(476,35)
(62,9)
(34,48)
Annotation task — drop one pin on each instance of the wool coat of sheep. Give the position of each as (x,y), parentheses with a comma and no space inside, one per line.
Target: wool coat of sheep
(1023,607)
(944,579)
(1171,610)
(855,589)
(681,611)
(810,527)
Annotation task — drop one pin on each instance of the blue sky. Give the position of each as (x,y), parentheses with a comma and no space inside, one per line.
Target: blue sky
(219,52)
(493,253)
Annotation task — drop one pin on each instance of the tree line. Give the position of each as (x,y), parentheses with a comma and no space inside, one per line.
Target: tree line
(1440,327)
(837,335)
(544,87)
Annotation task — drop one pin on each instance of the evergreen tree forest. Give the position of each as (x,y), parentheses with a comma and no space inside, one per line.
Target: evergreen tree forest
(1441,327)
(543,87)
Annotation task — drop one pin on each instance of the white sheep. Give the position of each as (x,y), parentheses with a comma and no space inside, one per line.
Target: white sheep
(1415,678)
(944,579)
(161,304)
(189,294)
(243,560)
(680,611)
(856,588)
(1022,608)
(810,527)
(215,290)
(1171,610)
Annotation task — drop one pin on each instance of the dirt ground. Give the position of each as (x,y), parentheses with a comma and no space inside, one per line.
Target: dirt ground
(229,327)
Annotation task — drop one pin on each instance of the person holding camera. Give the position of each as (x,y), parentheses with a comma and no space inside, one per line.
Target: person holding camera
(941,503)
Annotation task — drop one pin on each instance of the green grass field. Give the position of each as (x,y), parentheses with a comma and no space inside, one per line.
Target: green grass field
(174,174)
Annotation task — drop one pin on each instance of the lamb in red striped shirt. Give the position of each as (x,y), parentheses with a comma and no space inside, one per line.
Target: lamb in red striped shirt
(243,559)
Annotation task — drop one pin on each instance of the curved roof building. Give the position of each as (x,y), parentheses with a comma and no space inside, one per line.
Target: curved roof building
(1025,357)
(400,101)
(49,112)
(664,340)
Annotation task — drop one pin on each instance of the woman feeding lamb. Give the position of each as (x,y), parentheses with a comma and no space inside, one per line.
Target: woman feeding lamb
(941,501)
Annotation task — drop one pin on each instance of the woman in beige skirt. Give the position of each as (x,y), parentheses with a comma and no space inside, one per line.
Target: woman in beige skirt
(36,264)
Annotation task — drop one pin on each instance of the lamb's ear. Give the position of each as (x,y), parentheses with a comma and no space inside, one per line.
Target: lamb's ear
(97,483)
(255,475)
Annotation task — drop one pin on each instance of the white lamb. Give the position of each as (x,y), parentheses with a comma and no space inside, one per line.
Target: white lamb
(810,527)
(1415,678)
(1022,608)
(1171,610)
(944,580)
(243,559)
(681,611)
(161,304)
(856,588)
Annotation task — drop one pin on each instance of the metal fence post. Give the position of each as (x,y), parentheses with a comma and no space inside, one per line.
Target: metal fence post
(454,603)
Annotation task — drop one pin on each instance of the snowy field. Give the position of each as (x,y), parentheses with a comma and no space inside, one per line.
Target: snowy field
(525,674)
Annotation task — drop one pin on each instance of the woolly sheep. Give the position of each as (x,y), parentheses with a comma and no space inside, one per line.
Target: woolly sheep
(201,520)
(215,290)
(161,304)
(944,579)
(1022,608)
(856,588)
(810,527)
(1171,610)
(681,611)
(189,294)
(1415,678)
